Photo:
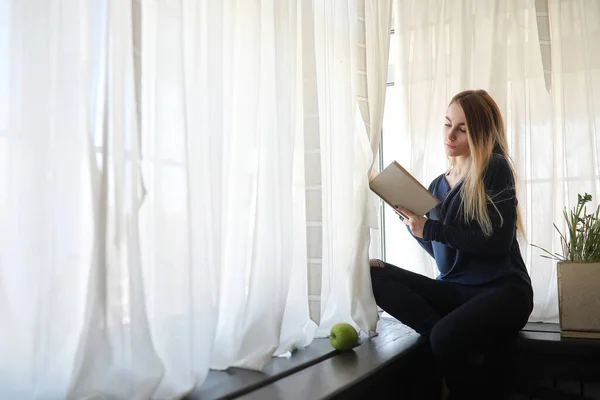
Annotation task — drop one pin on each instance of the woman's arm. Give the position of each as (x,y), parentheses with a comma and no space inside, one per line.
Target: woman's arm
(500,187)
(425,244)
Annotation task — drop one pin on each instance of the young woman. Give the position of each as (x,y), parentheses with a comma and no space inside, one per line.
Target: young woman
(483,294)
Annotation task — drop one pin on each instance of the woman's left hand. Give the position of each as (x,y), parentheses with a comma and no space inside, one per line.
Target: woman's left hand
(414,221)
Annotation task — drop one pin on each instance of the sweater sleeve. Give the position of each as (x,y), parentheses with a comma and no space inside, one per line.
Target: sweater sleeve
(499,184)
(425,244)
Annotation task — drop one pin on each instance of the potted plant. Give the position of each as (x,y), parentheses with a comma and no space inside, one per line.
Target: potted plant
(578,271)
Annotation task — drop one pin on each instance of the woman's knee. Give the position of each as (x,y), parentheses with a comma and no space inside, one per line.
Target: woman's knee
(449,347)
(445,343)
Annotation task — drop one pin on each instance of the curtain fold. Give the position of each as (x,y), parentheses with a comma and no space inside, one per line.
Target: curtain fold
(336,40)
(156,189)
(377,26)
(351,73)
(45,167)
(69,262)
(116,353)
(574,129)
(224,230)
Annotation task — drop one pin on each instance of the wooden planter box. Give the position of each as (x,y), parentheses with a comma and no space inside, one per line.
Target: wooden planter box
(579,299)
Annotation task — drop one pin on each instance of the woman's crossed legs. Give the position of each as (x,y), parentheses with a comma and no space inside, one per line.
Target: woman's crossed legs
(463,322)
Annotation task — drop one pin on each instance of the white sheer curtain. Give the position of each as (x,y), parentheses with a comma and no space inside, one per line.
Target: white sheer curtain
(351,76)
(444,47)
(72,296)
(224,233)
(137,253)
(575,145)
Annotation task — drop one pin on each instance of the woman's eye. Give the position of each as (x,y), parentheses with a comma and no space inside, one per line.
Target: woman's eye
(448,125)
(463,131)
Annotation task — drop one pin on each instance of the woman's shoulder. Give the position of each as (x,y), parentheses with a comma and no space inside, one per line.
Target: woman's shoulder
(499,169)
(498,163)
(498,159)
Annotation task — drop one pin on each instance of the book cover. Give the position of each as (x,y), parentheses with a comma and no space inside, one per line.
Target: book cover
(396,186)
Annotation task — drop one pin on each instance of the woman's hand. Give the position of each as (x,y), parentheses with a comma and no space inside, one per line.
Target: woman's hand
(414,221)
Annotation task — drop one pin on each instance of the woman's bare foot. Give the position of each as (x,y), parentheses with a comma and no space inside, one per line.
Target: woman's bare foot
(374,262)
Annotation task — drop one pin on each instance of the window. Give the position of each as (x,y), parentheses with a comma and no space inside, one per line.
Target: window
(390,123)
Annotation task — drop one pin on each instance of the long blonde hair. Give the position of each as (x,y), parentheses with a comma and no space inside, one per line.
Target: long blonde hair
(486,136)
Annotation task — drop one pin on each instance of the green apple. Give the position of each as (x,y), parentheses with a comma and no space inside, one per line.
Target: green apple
(343,336)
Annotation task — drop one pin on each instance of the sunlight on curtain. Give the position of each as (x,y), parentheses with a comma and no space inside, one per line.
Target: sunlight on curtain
(377,25)
(224,233)
(116,356)
(154,186)
(351,71)
(443,47)
(76,302)
(46,217)
(575,133)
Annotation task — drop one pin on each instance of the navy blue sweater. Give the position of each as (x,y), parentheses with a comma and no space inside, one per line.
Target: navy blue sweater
(463,253)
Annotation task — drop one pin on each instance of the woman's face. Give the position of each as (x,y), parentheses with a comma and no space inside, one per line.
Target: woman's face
(456,142)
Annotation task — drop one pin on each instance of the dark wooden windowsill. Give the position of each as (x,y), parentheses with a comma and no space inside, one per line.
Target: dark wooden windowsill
(337,374)
(318,368)
(545,339)
(236,381)
(397,355)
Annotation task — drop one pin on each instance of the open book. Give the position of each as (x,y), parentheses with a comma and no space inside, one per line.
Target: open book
(397,187)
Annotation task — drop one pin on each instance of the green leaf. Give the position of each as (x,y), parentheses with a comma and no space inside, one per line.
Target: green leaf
(581,239)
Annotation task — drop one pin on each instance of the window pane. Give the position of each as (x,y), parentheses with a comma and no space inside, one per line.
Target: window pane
(392,59)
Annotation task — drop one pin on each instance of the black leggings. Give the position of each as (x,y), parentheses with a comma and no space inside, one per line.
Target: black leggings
(462,321)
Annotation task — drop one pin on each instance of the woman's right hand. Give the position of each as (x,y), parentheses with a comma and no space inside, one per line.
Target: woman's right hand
(398,213)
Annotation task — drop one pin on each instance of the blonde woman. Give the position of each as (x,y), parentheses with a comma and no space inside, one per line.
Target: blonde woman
(483,294)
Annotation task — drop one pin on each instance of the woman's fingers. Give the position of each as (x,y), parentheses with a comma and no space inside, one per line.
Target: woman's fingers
(402,216)
(405,212)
